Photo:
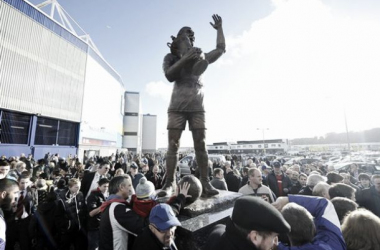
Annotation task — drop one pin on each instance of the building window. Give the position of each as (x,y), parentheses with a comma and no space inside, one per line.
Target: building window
(259,146)
(14,128)
(273,145)
(131,114)
(130,133)
(67,134)
(279,145)
(46,132)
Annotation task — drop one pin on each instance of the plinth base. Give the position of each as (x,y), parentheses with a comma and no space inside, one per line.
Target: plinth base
(200,217)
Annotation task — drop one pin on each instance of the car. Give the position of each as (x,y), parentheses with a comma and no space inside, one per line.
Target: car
(363,167)
(185,163)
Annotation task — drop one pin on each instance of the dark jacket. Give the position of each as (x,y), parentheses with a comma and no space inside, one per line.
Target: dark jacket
(244,181)
(306,191)
(147,240)
(219,184)
(156,180)
(272,183)
(370,199)
(70,213)
(43,225)
(228,238)
(296,188)
(86,183)
(233,181)
(94,200)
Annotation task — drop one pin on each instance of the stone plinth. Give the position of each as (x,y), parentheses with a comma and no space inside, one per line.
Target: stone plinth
(200,217)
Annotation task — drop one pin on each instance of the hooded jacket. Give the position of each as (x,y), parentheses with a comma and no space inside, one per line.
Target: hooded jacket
(329,236)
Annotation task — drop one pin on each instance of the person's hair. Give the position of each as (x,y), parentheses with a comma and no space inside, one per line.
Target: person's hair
(251,171)
(61,183)
(333,177)
(103,181)
(6,184)
(116,182)
(320,188)
(19,164)
(301,223)
(227,163)
(73,181)
(364,176)
(119,171)
(361,230)
(375,176)
(303,175)
(24,175)
(341,190)
(245,170)
(314,179)
(236,172)
(3,163)
(343,206)
(102,164)
(218,171)
(40,183)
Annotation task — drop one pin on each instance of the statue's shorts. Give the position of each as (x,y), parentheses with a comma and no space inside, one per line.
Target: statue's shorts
(177,120)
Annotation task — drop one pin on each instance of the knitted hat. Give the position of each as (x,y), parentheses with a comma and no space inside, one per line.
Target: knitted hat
(144,189)
(253,213)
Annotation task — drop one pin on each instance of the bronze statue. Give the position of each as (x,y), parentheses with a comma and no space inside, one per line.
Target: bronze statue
(183,66)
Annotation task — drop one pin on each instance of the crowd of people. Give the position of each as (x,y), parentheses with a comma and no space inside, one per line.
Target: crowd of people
(111,203)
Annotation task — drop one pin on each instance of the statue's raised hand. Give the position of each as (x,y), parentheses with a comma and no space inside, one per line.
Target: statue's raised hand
(217,22)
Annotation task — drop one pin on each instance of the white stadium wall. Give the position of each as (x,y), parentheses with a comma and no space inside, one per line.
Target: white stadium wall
(103,109)
(41,72)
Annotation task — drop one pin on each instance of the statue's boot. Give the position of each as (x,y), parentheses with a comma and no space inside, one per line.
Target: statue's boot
(170,186)
(207,189)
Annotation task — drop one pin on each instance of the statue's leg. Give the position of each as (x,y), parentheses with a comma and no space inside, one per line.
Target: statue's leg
(199,136)
(170,186)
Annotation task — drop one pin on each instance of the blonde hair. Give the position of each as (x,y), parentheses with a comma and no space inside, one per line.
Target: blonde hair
(361,230)
(119,172)
(73,181)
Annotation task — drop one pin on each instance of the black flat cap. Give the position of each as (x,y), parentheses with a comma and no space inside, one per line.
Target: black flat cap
(253,213)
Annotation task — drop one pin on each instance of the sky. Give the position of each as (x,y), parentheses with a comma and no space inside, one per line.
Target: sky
(295,68)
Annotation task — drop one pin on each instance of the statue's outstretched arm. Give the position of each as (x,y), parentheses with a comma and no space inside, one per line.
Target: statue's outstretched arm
(213,55)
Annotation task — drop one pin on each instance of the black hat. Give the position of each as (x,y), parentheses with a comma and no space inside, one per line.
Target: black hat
(276,164)
(253,213)
(134,165)
(333,177)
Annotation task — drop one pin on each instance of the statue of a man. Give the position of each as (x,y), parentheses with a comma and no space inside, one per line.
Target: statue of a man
(184,66)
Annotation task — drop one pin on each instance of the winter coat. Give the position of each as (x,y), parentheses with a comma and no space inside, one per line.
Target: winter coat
(94,200)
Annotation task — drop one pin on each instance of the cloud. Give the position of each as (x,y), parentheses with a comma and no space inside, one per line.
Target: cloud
(159,89)
(285,65)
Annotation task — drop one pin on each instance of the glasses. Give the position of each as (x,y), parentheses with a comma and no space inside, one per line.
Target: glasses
(172,229)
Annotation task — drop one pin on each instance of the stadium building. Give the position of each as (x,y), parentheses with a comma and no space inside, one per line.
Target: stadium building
(57,93)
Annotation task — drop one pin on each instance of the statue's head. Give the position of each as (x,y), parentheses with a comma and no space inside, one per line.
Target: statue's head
(183,42)
(188,32)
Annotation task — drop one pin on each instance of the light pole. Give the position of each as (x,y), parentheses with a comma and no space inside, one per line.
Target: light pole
(263,130)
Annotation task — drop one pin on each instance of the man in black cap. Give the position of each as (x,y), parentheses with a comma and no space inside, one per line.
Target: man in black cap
(279,182)
(258,231)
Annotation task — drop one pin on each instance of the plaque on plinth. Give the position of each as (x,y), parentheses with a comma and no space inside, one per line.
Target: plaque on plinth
(200,217)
